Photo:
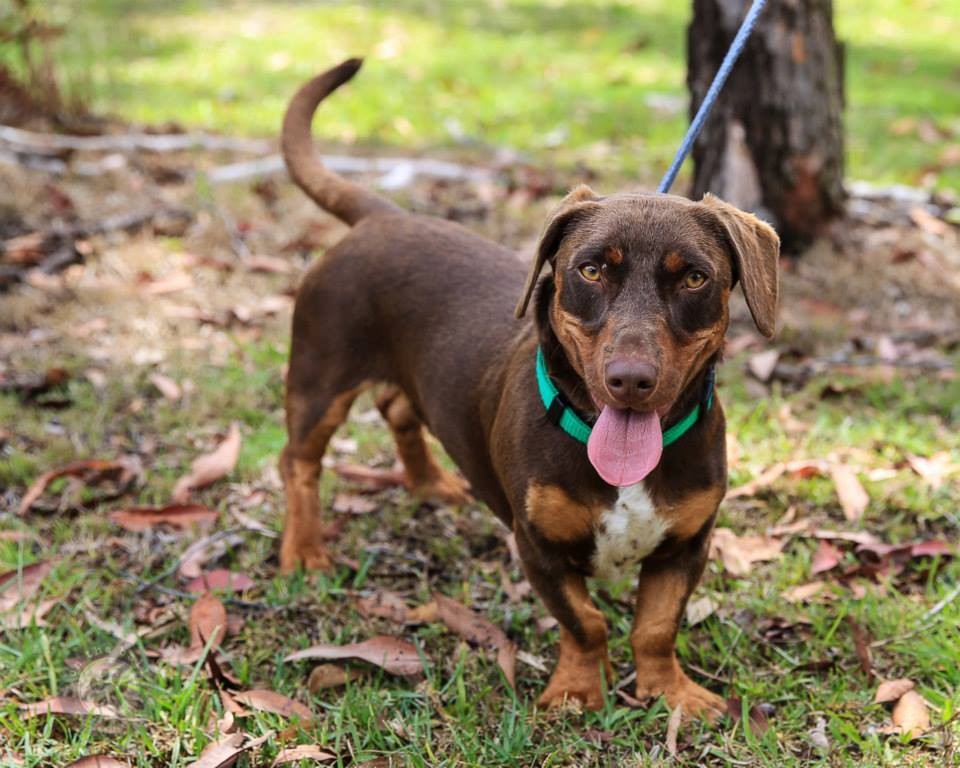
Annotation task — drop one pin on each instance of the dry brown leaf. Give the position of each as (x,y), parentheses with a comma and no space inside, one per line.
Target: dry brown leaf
(208,622)
(210,467)
(862,646)
(204,550)
(853,497)
(738,553)
(825,558)
(166,386)
(352,504)
(699,610)
(177,515)
(29,615)
(271,701)
(125,470)
(98,761)
(911,715)
(221,753)
(934,469)
(376,479)
(480,631)
(803,592)
(67,705)
(19,586)
(891,690)
(673,729)
(398,657)
(302,752)
(857,537)
(220,579)
(385,604)
(330,676)
(427,613)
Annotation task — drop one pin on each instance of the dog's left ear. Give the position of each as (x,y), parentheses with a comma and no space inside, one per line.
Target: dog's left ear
(578,203)
(756,252)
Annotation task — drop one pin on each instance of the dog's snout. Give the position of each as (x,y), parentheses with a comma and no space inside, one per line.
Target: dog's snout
(630,381)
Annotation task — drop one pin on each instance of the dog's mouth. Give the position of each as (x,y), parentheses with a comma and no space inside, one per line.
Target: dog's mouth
(625,445)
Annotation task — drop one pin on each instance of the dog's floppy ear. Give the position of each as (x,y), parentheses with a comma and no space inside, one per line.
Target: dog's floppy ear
(756,253)
(580,200)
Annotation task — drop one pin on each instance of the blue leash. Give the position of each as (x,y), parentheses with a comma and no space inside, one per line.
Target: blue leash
(736,47)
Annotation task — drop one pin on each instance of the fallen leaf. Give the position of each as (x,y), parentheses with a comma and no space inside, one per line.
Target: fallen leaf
(479,631)
(803,592)
(166,386)
(302,752)
(738,553)
(221,753)
(911,715)
(124,471)
(818,735)
(352,504)
(29,615)
(857,537)
(891,690)
(423,614)
(758,716)
(376,479)
(932,548)
(67,705)
(220,579)
(208,622)
(178,515)
(210,467)
(385,604)
(398,657)
(271,701)
(673,729)
(98,761)
(699,610)
(763,364)
(825,558)
(330,676)
(18,586)
(934,469)
(853,497)
(204,550)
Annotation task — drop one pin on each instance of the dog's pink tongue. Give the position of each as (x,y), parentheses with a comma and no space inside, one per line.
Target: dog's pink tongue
(624,445)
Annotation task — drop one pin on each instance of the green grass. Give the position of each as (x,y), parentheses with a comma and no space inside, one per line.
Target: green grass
(566,81)
(462,714)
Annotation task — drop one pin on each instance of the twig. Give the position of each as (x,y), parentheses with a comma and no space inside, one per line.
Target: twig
(942,603)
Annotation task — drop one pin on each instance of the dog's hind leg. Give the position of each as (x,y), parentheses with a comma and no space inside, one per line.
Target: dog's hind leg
(424,476)
(311,422)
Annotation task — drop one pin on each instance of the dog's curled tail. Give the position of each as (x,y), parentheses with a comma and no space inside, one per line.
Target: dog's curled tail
(344,199)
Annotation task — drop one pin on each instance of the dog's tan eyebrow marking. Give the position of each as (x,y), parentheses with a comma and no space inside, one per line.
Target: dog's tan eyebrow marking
(613,254)
(673,261)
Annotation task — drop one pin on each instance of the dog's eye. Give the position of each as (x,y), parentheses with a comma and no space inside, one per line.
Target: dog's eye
(694,279)
(590,272)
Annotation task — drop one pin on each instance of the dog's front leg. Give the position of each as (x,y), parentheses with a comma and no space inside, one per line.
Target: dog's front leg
(662,593)
(582,661)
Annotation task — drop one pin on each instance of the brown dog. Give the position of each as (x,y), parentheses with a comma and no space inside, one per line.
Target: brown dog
(629,325)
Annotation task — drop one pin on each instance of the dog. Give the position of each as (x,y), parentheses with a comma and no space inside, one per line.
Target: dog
(591,429)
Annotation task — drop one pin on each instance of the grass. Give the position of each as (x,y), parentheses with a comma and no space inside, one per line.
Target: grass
(462,714)
(567,81)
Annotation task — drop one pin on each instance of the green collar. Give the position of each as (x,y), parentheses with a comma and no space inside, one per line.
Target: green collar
(561,413)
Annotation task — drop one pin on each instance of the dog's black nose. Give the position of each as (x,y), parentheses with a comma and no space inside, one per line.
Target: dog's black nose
(630,381)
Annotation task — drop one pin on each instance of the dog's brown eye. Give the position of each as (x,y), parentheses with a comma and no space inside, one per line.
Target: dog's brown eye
(694,280)
(590,272)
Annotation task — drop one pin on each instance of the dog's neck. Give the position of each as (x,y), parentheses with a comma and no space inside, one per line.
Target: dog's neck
(574,388)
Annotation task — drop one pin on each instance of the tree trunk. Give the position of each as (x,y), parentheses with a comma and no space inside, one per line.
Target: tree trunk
(774,141)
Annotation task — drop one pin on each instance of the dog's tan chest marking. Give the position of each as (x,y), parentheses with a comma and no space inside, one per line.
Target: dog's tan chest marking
(627,532)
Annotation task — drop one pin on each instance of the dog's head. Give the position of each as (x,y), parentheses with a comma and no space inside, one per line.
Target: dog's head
(640,289)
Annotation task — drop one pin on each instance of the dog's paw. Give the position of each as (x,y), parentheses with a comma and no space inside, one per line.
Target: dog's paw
(312,557)
(696,700)
(576,695)
(446,488)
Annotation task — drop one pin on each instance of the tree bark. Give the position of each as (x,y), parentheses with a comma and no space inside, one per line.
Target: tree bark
(774,141)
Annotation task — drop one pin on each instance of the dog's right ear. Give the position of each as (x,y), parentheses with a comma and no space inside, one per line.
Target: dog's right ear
(581,200)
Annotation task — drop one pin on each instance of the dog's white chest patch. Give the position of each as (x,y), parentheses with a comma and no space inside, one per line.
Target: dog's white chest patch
(627,533)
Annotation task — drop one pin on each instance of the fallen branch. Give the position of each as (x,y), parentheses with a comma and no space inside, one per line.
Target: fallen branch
(395,172)
(21,140)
